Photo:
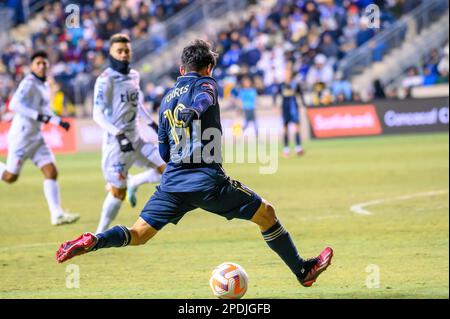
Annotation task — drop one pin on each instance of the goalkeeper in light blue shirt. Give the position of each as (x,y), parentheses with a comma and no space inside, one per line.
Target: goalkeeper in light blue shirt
(247,96)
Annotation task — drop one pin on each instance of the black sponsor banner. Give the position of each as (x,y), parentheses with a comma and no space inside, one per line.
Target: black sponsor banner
(413,115)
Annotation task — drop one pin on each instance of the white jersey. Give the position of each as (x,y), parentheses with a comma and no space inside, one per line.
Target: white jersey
(117,103)
(31,98)
(25,140)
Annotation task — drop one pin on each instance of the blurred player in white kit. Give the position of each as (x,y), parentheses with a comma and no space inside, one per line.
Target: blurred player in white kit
(118,102)
(31,104)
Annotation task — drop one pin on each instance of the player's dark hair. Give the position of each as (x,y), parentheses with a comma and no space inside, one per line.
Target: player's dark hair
(198,55)
(246,77)
(38,54)
(119,38)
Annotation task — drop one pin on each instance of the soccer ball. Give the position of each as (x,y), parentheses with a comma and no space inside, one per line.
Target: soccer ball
(229,281)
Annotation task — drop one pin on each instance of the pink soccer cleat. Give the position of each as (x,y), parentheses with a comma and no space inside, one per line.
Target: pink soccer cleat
(321,263)
(79,246)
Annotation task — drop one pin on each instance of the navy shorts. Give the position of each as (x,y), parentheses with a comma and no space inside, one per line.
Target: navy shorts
(291,116)
(290,111)
(230,200)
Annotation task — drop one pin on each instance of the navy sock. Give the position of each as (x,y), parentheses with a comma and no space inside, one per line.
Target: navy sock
(286,139)
(280,242)
(118,236)
(298,140)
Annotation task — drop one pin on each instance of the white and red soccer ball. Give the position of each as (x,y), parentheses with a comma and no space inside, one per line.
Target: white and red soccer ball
(229,281)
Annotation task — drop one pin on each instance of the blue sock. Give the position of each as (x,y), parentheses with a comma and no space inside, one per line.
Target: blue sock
(118,236)
(280,242)
(286,139)
(298,140)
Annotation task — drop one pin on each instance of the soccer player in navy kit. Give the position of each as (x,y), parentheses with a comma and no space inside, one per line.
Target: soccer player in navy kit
(194,177)
(290,111)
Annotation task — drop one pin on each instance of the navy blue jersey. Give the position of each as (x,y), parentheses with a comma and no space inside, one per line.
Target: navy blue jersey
(193,154)
(289,104)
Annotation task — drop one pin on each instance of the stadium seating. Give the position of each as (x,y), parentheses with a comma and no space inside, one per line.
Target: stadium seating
(77,54)
(301,33)
(421,40)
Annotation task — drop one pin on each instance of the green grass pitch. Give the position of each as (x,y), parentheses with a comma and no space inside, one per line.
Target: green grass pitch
(406,238)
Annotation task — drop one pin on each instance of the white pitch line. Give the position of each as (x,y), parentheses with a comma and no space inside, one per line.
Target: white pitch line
(359,208)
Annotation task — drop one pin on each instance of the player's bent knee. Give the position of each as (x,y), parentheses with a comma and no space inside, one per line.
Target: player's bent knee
(50,171)
(265,217)
(53,175)
(120,196)
(119,193)
(270,214)
(10,178)
(141,232)
(161,168)
(138,239)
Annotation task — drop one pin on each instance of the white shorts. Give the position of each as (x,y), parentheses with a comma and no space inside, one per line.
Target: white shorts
(115,163)
(21,150)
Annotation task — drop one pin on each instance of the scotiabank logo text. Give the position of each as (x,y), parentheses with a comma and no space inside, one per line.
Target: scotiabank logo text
(435,116)
(344,121)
